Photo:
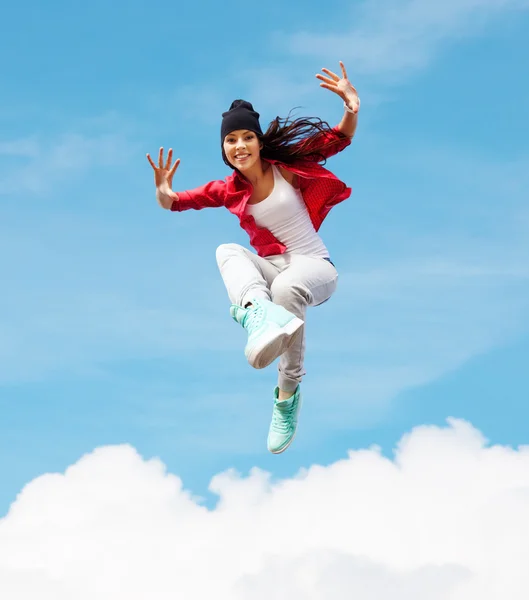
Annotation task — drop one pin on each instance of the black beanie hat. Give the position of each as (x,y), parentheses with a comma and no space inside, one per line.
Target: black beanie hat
(240,116)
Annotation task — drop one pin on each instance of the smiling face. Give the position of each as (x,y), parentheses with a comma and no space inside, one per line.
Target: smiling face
(242,149)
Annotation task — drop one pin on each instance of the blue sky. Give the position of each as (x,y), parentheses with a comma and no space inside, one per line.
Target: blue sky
(114,324)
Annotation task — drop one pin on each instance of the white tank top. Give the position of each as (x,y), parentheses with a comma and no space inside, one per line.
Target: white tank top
(285,215)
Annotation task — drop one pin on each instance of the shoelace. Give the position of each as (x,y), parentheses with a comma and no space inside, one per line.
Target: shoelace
(252,317)
(281,418)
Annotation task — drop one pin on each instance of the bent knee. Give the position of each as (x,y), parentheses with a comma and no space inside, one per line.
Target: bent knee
(290,294)
(225,251)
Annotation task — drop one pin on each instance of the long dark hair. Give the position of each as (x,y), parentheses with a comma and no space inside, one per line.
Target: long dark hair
(289,140)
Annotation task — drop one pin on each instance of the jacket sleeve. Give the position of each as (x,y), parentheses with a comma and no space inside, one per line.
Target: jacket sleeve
(325,145)
(210,195)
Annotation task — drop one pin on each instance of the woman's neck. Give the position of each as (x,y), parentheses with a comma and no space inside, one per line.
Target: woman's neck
(257,173)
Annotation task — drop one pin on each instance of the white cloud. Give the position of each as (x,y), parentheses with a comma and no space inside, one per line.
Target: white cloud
(103,294)
(42,163)
(77,328)
(436,275)
(277,90)
(86,329)
(316,575)
(382,42)
(446,519)
(392,37)
(412,320)
(26,147)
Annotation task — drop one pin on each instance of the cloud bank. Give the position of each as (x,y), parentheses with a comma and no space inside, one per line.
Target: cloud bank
(446,519)
(393,37)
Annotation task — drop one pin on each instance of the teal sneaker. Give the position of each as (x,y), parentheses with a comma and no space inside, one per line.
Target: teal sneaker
(270,328)
(284,422)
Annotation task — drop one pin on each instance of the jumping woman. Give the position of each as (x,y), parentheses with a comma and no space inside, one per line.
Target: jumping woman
(281,193)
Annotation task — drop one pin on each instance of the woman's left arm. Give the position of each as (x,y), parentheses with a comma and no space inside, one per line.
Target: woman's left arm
(347,92)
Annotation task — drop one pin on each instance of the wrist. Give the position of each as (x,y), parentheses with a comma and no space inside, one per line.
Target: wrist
(166,197)
(349,108)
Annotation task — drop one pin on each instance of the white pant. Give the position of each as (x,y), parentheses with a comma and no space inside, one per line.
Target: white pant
(291,280)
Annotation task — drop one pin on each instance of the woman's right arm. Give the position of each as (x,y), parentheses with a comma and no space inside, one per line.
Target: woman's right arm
(206,196)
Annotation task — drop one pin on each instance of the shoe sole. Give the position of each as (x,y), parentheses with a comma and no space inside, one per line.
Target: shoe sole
(281,450)
(274,344)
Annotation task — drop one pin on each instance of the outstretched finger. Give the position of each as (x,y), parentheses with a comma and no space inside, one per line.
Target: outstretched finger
(160,158)
(330,87)
(344,72)
(151,162)
(169,158)
(174,167)
(331,74)
(326,79)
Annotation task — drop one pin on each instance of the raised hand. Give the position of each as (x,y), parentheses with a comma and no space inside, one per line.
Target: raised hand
(163,178)
(163,174)
(341,86)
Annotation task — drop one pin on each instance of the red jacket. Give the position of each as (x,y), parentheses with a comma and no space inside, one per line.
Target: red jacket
(321,190)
